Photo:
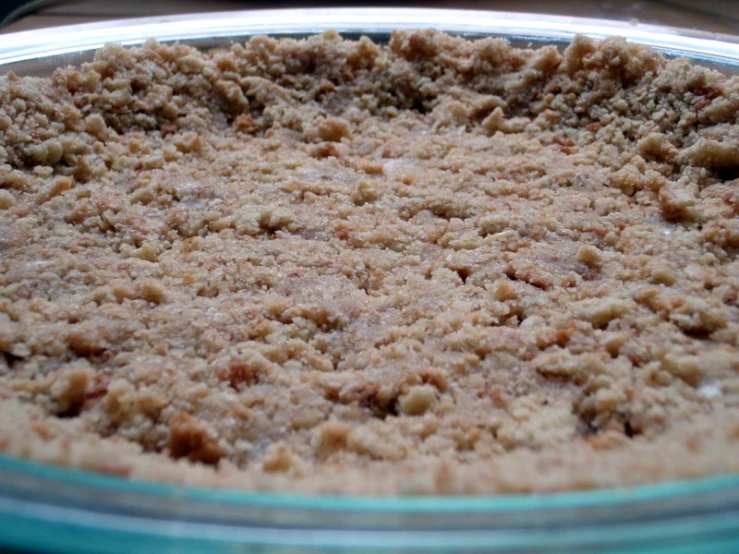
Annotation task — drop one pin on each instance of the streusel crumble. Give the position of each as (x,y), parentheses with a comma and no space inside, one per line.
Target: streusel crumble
(438,266)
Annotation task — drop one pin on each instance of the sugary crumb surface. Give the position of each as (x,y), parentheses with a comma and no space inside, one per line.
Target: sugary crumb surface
(439,266)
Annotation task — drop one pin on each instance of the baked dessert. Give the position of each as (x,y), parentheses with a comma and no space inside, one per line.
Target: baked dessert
(438,266)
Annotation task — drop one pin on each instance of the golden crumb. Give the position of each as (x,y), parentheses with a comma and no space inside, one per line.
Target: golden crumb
(438,266)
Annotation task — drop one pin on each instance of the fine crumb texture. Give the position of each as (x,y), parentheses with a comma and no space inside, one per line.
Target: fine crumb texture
(438,266)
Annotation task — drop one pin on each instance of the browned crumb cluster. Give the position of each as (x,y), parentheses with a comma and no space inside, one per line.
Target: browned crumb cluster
(436,266)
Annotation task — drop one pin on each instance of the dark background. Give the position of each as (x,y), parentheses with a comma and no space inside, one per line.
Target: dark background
(720,16)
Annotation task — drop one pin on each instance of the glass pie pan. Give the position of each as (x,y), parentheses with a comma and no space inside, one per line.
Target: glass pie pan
(54,509)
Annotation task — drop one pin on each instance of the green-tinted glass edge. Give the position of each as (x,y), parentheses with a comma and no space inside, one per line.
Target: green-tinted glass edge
(495,503)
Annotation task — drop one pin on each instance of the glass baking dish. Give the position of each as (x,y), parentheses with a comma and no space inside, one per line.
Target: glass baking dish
(44,508)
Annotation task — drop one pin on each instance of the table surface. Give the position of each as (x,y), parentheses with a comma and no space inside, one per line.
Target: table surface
(721,16)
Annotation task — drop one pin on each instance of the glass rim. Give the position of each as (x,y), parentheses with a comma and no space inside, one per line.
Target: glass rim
(106,483)
(35,44)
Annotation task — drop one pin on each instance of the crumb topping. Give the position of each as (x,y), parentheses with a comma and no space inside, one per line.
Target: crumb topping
(436,266)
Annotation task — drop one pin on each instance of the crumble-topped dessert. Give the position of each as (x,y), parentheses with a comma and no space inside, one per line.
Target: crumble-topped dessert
(437,266)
